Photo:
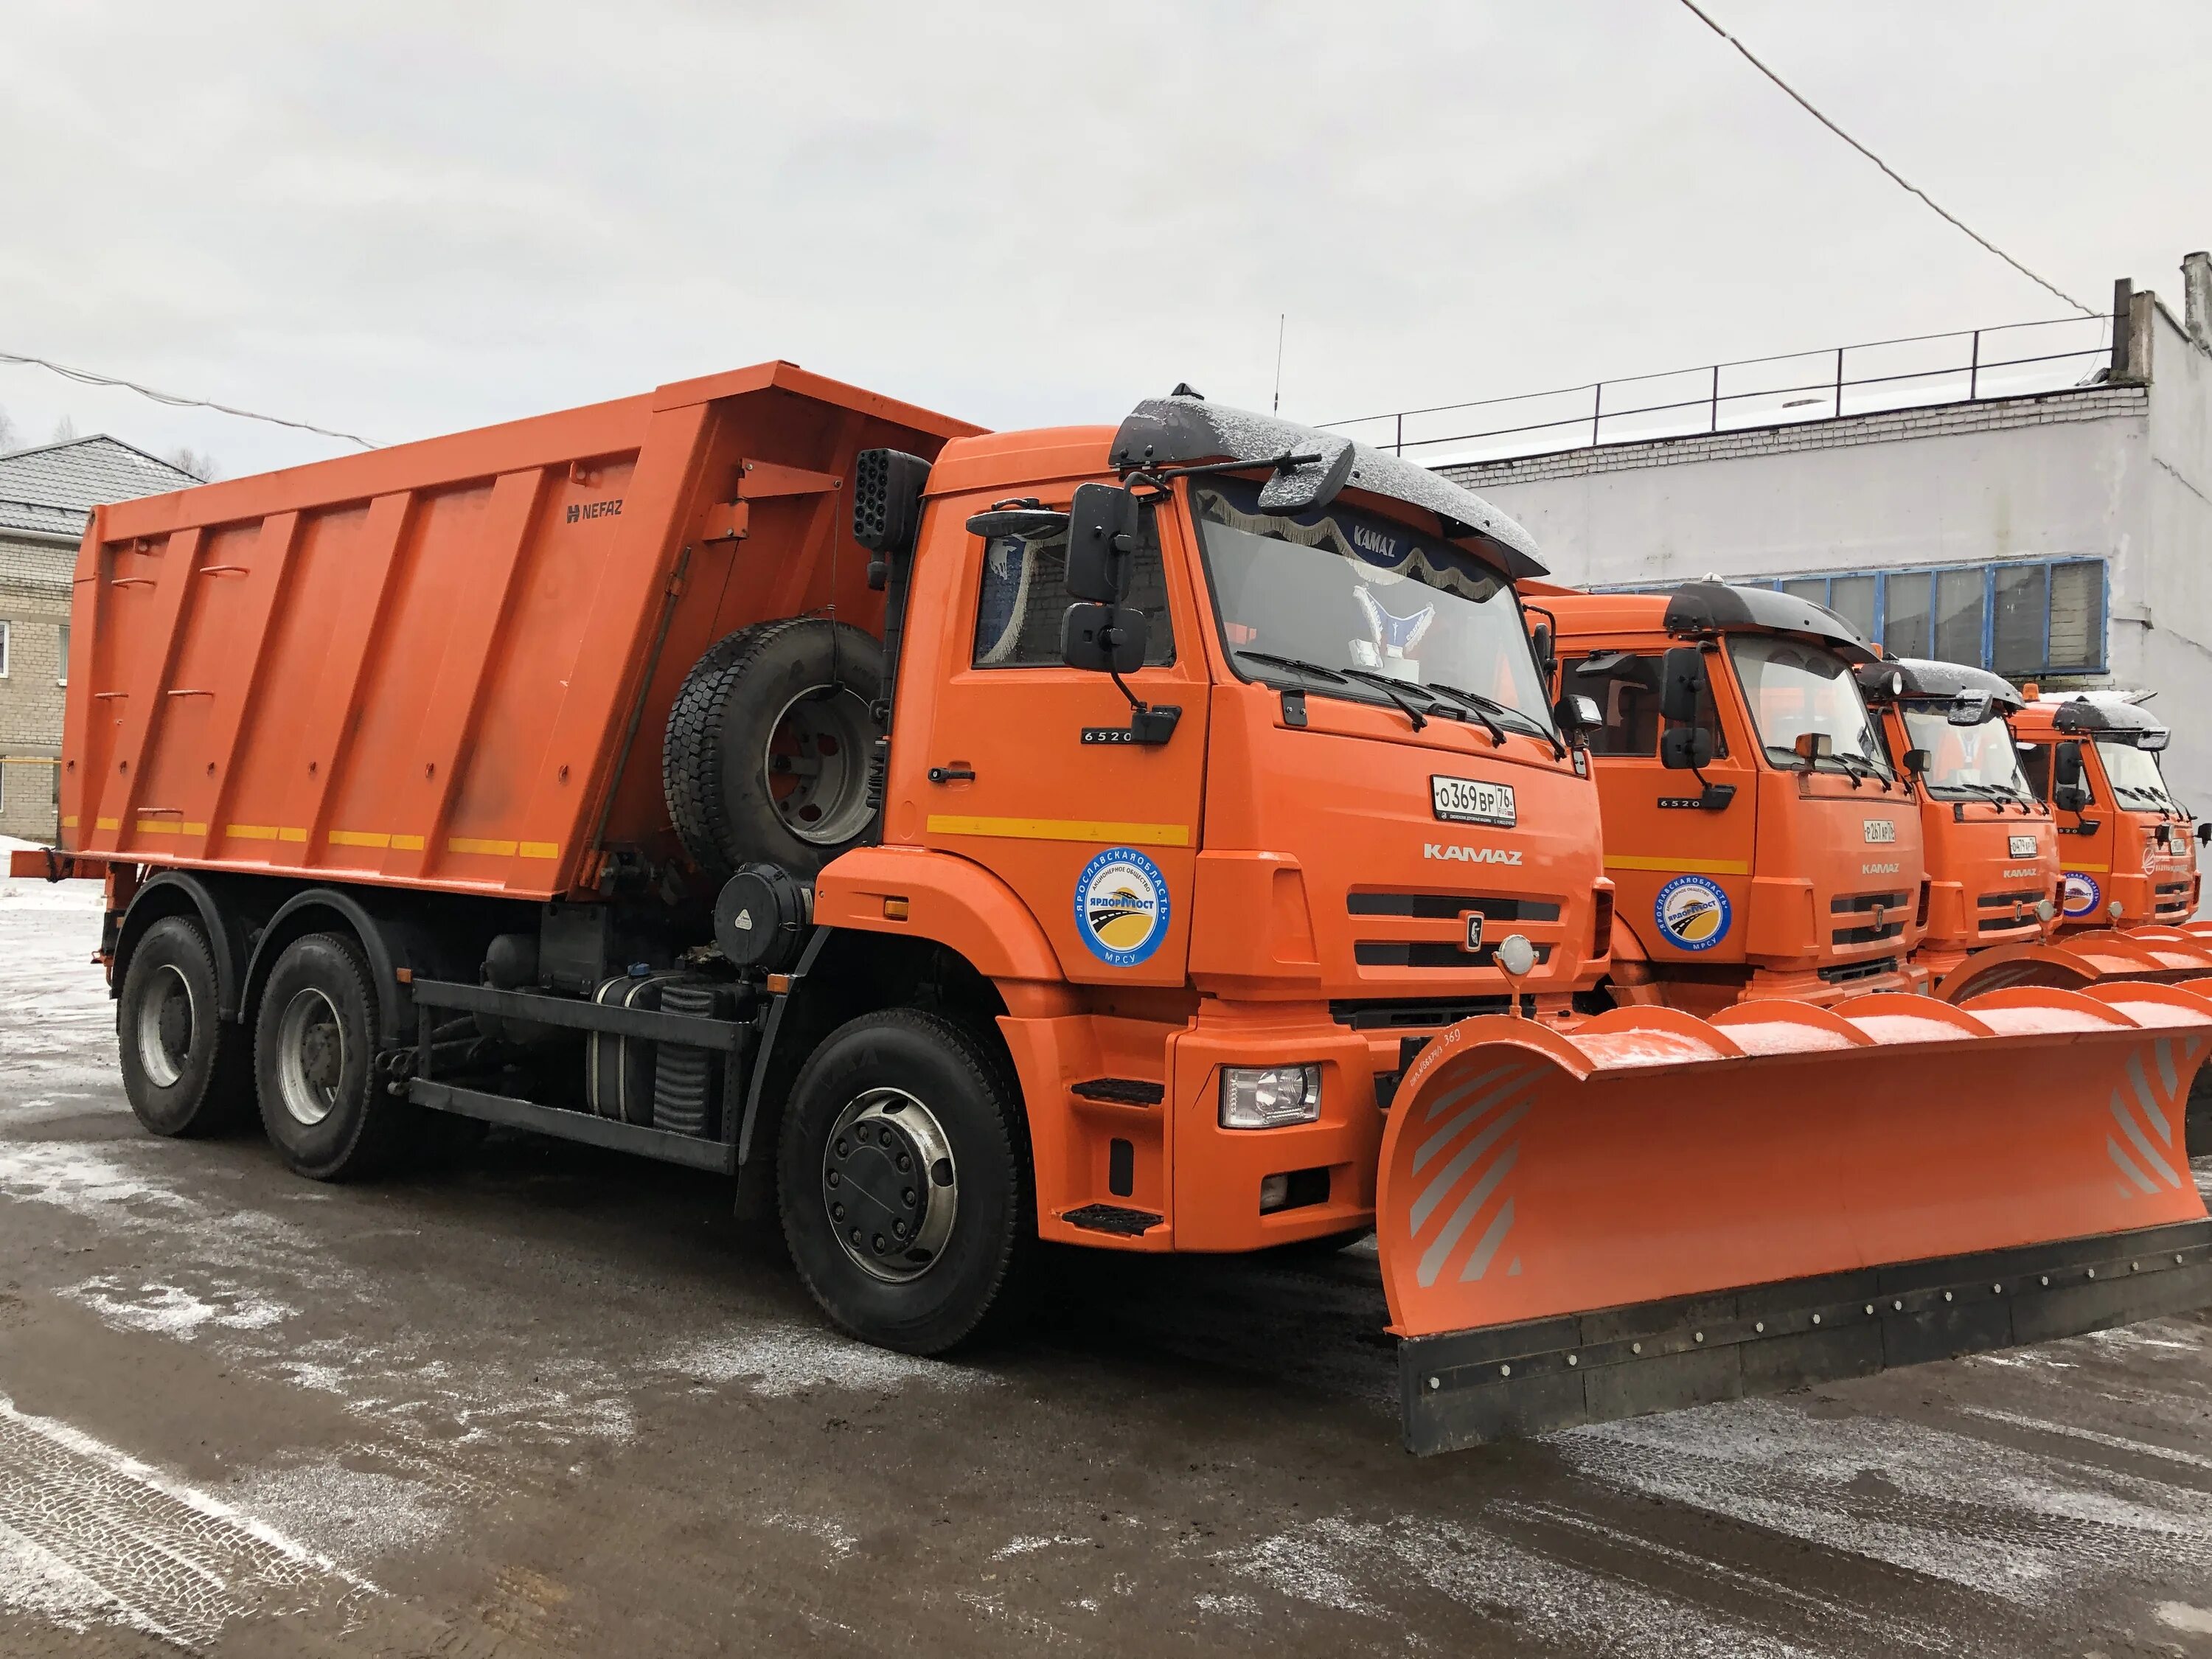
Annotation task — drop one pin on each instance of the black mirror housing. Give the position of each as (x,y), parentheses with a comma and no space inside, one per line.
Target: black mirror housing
(1917,762)
(1681,682)
(1101,533)
(2070,797)
(2066,768)
(1577,712)
(1971,709)
(1031,523)
(2204,835)
(1106,639)
(1685,747)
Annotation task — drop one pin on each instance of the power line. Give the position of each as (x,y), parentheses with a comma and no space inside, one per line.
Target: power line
(86,377)
(1951,218)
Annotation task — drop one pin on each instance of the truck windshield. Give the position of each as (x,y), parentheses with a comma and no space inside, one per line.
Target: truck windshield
(1793,688)
(2135,777)
(1345,602)
(1968,762)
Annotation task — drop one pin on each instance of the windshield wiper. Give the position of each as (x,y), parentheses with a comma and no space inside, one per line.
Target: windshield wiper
(1485,707)
(1388,687)
(1295,664)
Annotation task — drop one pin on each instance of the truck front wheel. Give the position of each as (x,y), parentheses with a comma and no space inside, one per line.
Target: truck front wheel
(903,1173)
(313,1045)
(183,1068)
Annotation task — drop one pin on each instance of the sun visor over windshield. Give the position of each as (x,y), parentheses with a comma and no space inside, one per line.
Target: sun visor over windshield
(2124,721)
(1936,682)
(1163,432)
(1718,607)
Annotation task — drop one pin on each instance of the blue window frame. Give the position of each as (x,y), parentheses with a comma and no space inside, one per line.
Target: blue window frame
(2020,617)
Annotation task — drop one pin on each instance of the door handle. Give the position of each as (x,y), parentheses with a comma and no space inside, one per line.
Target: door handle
(952,774)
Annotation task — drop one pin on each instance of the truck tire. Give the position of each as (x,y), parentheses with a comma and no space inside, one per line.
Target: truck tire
(313,1045)
(766,755)
(185,1069)
(904,1182)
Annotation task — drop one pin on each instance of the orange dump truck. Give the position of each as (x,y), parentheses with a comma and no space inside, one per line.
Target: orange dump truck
(1990,846)
(1763,842)
(1152,837)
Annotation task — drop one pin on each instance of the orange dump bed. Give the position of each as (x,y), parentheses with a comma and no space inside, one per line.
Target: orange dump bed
(447,664)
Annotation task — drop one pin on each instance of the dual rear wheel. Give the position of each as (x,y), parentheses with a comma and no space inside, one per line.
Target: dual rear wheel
(306,1061)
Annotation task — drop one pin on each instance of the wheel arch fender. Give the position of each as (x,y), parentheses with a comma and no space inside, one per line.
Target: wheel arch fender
(224,917)
(391,940)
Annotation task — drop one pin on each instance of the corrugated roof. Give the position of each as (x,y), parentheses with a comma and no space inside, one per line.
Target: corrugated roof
(52,489)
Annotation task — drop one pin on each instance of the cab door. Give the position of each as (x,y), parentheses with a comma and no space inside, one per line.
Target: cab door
(1681,870)
(1029,769)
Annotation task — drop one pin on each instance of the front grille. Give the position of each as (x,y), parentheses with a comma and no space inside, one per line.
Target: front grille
(2027,898)
(1449,906)
(2170,895)
(2008,924)
(1865,904)
(1850,971)
(1392,1013)
(1420,953)
(2009,912)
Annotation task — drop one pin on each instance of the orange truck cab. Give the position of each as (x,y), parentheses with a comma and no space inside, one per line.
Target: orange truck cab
(2123,840)
(1761,839)
(1990,843)
(1152,837)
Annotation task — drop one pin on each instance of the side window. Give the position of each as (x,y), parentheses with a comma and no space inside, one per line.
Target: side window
(2035,762)
(1627,693)
(1024,595)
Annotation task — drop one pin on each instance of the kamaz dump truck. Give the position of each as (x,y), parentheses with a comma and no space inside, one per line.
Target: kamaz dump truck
(1152,838)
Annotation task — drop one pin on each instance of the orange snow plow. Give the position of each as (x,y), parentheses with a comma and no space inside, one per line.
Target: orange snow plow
(1655,1210)
(2073,960)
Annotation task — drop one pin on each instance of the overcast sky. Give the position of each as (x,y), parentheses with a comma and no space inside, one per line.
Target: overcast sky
(402,219)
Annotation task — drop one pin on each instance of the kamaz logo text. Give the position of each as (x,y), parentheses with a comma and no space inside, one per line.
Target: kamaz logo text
(1436,849)
(1384,547)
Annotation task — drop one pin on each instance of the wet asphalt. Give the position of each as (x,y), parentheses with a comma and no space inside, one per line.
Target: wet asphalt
(546,1402)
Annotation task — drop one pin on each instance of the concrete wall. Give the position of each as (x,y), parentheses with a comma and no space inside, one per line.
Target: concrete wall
(2162,631)
(35,602)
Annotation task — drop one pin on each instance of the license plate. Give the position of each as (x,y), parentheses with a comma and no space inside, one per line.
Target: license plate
(1464,800)
(1880,831)
(2023,846)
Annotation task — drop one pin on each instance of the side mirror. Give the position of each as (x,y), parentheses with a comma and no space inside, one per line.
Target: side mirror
(1915,761)
(1972,708)
(2066,768)
(2070,797)
(2152,742)
(1577,712)
(1101,533)
(1030,523)
(1685,747)
(2204,835)
(1681,682)
(1540,640)
(1106,639)
(1812,746)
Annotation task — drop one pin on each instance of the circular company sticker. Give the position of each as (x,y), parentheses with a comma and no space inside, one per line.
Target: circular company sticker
(2082,895)
(1692,913)
(1121,906)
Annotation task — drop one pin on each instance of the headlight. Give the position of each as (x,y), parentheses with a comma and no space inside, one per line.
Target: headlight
(1268,1097)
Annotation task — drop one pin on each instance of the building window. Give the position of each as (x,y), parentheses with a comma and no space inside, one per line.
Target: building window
(61,656)
(3,650)
(2019,617)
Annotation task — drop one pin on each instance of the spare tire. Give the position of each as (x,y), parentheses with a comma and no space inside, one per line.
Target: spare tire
(766,757)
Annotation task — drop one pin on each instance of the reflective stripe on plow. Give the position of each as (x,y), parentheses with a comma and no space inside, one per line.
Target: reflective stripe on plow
(1432,1258)
(2126,1120)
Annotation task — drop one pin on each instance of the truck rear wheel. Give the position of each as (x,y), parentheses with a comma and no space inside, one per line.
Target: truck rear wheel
(903,1174)
(766,755)
(313,1045)
(184,1070)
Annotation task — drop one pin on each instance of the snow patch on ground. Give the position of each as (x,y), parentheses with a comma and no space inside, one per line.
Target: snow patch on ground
(1987,1516)
(794,1359)
(171,1311)
(842,1541)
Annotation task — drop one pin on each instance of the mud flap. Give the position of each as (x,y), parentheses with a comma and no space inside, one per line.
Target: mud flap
(1657,1210)
(2075,960)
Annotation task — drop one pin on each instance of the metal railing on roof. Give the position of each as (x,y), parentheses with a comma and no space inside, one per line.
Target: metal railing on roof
(1911,372)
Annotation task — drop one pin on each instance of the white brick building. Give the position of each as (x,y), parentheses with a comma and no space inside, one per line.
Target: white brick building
(46,495)
(2063,535)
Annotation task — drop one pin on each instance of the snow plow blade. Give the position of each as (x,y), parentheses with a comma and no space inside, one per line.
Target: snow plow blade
(2082,959)
(1653,1210)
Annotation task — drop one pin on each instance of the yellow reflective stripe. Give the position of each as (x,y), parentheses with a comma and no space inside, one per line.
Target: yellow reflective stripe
(107,823)
(538,849)
(70,822)
(1685,866)
(407,844)
(2086,870)
(250,831)
(169,827)
(359,838)
(1137,835)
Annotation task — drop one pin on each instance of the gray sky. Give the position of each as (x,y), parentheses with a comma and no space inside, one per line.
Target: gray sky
(403,219)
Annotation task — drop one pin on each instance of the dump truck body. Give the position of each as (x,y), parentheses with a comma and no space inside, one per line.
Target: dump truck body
(1155,837)
(1990,843)
(1758,873)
